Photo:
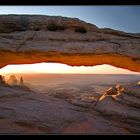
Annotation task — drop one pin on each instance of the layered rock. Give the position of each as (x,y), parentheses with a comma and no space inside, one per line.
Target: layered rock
(26,39)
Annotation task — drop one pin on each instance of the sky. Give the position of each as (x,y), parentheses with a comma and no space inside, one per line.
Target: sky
(124,18)
(63,68)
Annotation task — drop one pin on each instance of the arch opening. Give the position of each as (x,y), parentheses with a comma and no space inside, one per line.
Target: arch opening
(59,68)
(52,70)
(35,87)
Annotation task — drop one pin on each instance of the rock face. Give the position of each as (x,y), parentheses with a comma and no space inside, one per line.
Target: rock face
(27,39)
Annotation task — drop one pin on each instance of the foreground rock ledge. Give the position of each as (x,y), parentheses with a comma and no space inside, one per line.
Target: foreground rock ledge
(27,39)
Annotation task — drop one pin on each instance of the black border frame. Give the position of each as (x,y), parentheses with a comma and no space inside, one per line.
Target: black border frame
(69,2)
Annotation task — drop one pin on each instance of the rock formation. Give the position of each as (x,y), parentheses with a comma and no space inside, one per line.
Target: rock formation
(138,83)
(113,91)
(12,80)
(2,80)
(21,81)
(27,39)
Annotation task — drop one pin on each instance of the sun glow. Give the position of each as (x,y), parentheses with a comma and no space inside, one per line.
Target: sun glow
(63,69)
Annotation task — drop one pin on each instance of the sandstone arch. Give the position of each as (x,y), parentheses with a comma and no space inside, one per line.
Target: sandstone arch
(26,39)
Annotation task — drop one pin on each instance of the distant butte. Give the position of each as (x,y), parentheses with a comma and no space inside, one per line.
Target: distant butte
(27,39)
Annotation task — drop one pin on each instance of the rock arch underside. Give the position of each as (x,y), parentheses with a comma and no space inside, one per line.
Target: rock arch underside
(27,39)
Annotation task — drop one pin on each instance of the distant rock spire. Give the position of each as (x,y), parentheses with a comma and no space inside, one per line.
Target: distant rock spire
(138,83)
(21,81)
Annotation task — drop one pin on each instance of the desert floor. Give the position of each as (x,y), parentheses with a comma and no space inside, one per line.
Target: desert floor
(69,104)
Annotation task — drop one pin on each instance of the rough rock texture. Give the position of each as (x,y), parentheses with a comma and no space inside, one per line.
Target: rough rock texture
(37,38)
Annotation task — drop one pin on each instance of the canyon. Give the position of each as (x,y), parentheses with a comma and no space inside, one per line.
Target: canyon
(71,104)
(67,104)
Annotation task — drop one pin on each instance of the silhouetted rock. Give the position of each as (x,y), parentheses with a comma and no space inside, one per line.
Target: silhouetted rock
(2,80)
(21,81)
(12,80)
